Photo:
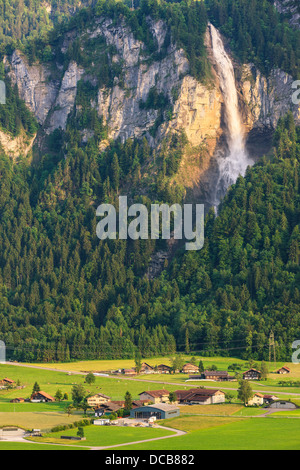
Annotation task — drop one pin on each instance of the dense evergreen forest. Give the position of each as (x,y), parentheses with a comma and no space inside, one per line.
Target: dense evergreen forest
(65,294)
(23,20)
(61,286)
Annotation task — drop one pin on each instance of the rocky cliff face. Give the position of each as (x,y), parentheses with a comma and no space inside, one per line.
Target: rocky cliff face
(194,107)
(34,85)
(266,99)
(50,100)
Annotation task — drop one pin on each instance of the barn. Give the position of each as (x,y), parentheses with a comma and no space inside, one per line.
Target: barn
(159,411)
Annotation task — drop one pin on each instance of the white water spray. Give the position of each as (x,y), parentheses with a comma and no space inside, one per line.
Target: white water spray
(234,162)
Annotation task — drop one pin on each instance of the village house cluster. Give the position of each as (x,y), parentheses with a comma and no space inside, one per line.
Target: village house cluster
(189,369)
(161,404)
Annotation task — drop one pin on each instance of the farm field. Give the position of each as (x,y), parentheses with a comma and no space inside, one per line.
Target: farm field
(36,419)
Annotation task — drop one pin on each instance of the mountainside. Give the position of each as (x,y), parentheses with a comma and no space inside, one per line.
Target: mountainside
(291,8)
(117,101)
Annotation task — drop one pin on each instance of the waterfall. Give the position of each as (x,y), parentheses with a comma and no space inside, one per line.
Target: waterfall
(233,161)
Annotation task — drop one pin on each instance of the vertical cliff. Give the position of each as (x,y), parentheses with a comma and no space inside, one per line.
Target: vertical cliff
(124,104)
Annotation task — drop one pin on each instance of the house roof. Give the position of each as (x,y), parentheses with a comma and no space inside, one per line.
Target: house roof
(164,365)
(156,393)
(8,380)
(100,395)
(285,368)
(139,403)
(147,365)
(216,372)
(112,406)
(199,392)
(162,407)
(190,366)
(44,394)
(252,370)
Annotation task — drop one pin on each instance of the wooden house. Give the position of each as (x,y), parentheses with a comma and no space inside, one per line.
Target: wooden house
(128,372)
(283,370)
(190,369)
(155,396)
(199,396)
(109,407)
(97,400)
(164,369)
(5,382)
(269,399)
(41,397)
(252,374)
(218,375)
(147,369)
(256,400)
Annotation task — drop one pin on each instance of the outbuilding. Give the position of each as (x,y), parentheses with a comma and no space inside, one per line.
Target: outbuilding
(102,422)
(284,370)
(283,405)
(159,411)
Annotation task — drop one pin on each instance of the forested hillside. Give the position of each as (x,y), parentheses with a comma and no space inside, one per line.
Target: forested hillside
(24,20)
(65,294)
(258,33)
(60,285)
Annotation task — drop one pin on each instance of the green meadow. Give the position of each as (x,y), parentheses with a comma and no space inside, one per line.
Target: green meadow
(30,446)
(248,434)
(102,436)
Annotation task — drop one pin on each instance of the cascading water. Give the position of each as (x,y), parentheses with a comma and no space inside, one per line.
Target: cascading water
(235,160)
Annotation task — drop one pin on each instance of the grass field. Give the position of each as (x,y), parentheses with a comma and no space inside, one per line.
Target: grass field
(102,436)
(241,434)
(50,381)
(36,420)
(31,446)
